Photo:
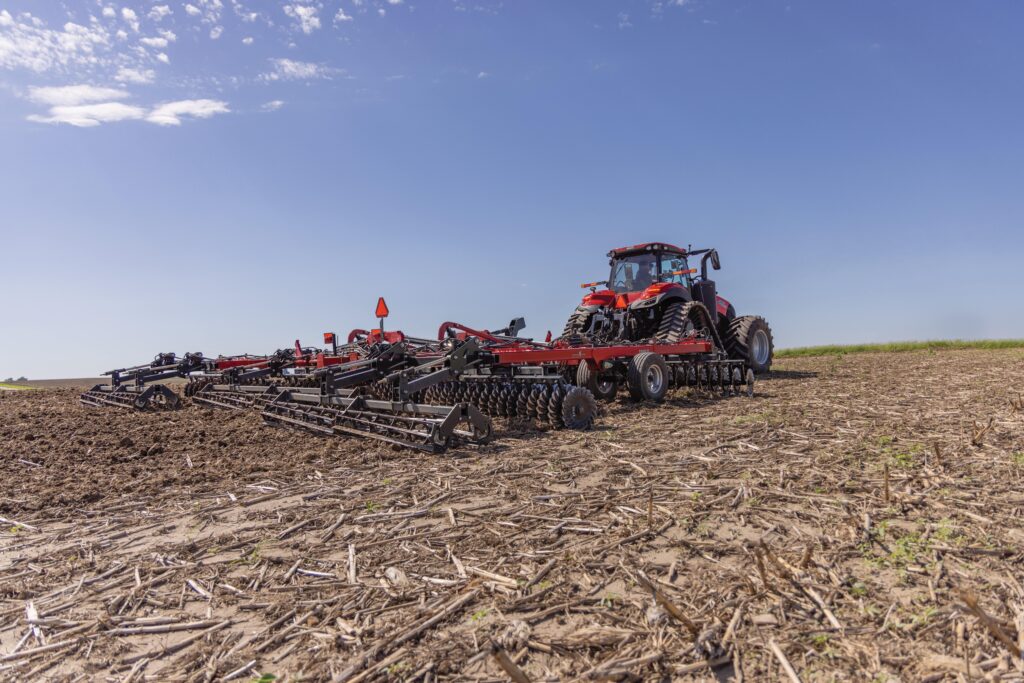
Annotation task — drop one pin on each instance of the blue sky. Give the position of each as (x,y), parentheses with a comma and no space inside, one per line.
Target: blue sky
(226,176)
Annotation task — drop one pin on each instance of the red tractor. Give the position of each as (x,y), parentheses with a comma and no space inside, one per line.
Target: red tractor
(654,294)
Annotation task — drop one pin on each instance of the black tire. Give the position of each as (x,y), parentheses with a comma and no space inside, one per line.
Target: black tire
(679,319)
(750,339)
(577,322)
(647,377)
(579,408)
(602,389)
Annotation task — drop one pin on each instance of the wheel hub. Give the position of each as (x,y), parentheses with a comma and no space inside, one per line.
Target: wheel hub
(655,379)
(759,347)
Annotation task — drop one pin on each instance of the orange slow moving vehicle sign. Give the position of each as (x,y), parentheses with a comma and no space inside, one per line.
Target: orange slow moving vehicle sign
(382,308)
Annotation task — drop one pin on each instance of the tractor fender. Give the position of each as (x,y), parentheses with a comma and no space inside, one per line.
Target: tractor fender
(674,294)
(605,297)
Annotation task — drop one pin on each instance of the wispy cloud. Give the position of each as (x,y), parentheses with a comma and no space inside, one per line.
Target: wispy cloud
(284,69)
(171,113)
(128,75)
(160,42)
(305,16)
(26,43)
(68,95)
(89,115)
(91,55)
(209,10)
(131,18)
(158,12)
(87,106)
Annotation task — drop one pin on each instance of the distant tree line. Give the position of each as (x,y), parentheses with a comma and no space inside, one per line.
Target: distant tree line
(11,380)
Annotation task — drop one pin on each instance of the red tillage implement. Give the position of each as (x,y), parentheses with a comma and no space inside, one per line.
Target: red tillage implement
(655,323)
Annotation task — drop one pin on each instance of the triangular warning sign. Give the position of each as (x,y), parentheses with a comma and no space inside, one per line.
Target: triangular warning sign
(382,308)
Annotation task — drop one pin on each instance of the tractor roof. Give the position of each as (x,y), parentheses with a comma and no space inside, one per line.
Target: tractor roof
(645,248)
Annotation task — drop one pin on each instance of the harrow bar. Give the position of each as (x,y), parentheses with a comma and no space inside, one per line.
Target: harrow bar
(427,428)
(228,397)
(128,386)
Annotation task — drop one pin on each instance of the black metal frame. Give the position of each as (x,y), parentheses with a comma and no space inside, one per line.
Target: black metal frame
(128,386)
(415,425)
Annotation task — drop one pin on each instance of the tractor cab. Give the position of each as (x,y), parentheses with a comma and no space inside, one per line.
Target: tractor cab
(635,269)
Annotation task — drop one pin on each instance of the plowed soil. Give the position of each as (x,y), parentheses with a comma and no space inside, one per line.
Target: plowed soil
(859,519)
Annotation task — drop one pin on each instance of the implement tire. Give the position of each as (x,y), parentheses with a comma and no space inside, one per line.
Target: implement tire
(602,389)
(647,377)
(749,339)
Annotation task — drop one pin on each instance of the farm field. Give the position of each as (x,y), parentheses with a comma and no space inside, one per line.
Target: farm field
(861,518)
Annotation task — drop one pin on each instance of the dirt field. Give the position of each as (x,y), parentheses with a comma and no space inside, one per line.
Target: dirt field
(859,519)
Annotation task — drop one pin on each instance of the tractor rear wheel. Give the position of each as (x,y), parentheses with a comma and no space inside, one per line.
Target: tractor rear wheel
(750,339)
(647,377)
(603,389)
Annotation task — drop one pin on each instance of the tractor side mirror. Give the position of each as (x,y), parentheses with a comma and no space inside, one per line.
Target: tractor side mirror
(711,255)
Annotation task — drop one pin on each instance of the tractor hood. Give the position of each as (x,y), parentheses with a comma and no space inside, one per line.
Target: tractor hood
(606,297)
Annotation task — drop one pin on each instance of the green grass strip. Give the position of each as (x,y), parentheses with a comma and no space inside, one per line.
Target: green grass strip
(899,347)
(13,387)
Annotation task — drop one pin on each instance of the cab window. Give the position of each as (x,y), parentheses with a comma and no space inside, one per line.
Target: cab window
(633,273)
(670,264)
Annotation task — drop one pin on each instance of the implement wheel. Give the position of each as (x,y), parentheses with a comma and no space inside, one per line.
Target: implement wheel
(647,377)
(603,389)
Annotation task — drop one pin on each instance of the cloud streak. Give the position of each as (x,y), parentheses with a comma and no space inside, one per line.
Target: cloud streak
(283,69)
(90,115)
(70,95)
(88,106)
(171,113)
